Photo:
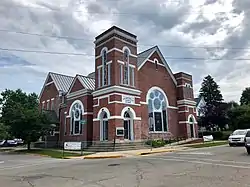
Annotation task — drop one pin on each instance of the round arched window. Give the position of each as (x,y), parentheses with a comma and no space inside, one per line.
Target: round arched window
(76,117)
(157,109)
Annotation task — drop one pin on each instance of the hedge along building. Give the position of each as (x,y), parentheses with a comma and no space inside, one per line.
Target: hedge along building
(128,97)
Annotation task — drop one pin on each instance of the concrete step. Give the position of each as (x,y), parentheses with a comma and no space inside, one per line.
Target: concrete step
(109,146)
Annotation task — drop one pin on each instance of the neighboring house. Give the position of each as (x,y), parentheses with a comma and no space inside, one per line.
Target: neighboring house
(121,95)
(200,102)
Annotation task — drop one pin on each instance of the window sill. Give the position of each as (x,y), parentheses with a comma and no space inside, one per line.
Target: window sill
(158,132)
(75,134)
(101,87)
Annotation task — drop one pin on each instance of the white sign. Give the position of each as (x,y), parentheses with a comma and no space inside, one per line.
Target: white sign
(208,138)
(72,145)
(119,131)
(127,99)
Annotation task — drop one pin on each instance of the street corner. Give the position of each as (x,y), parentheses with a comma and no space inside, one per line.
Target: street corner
(155,151)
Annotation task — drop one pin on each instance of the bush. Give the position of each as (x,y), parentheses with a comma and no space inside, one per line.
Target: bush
(156,143)
(217,135)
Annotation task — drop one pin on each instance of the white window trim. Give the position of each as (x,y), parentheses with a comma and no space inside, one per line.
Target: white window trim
(65,123)
(47,105)
(99,78)
(133,76)
(121,73)
(73,125)
(52,105)
(155,110)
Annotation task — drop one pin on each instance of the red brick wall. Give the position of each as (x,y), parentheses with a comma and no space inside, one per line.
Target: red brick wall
(77,86)
(48,93)
(87,133)
(114,56)
(161,78)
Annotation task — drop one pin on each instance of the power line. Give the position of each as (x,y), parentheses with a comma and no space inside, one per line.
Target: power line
(112,13)
(90,55)
(91,41)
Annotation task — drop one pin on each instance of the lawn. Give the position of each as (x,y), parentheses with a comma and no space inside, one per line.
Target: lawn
(49,153)
(207,144)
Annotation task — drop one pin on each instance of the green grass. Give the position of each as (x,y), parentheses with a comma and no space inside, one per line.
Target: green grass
(49,153)
(208,144)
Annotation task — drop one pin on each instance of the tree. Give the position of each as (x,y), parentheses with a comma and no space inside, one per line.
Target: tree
(239,117)
(245,97)
(21,113)
(213,99)
(4,131)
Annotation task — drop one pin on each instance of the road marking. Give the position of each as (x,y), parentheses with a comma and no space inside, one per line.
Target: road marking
(210,160)
(1,162)
(34,164)
(195,153)
(200,162)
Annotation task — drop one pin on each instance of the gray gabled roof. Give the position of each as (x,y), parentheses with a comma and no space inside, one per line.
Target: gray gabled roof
(87,82)
(62,82)
(144,55)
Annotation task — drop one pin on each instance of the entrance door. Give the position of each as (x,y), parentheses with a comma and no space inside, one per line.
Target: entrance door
(127,130)
(191,125)
(105,130)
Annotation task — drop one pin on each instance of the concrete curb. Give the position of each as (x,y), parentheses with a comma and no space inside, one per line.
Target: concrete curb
(156,151)
(102,156)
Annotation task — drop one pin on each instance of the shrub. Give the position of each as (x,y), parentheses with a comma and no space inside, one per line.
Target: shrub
(156,143)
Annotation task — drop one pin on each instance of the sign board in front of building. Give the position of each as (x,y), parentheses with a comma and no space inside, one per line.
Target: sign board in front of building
(119,131)
(72,145)
(128,99)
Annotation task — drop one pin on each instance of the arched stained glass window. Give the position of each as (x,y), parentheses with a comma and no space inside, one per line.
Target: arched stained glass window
(157,109)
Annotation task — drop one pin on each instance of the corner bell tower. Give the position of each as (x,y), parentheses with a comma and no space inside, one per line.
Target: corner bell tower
(116,88)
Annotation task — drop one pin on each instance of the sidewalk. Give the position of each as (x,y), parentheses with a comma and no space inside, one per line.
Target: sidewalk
(141,152)
(131,153)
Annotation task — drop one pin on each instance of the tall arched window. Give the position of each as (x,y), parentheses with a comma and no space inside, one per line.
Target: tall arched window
(104,68)
(157,110)
(104,121)
(156,63)
(191,126)
(76,114)
(126,66)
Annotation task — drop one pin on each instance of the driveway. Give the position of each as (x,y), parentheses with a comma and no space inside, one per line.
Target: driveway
(210,167)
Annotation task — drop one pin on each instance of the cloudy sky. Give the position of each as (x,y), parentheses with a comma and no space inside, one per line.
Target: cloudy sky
(200,37)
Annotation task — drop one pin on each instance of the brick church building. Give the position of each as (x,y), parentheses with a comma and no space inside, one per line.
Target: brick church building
(129,97)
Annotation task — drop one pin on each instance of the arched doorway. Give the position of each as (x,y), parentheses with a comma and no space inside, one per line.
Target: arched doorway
(128,126)
(191,126)
(104,126)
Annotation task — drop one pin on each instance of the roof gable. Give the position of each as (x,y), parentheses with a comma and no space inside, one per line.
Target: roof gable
(145,55)
(75,86)
(86,83)
(62,82)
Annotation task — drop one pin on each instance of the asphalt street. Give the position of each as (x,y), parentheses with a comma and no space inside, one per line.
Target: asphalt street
(209,167)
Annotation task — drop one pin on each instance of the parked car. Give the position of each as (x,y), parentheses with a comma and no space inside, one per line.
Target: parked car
(8,143)
(237,137)
(247,141)
(19,141)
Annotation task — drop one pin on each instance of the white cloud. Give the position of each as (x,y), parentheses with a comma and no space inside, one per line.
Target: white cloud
(160,22)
